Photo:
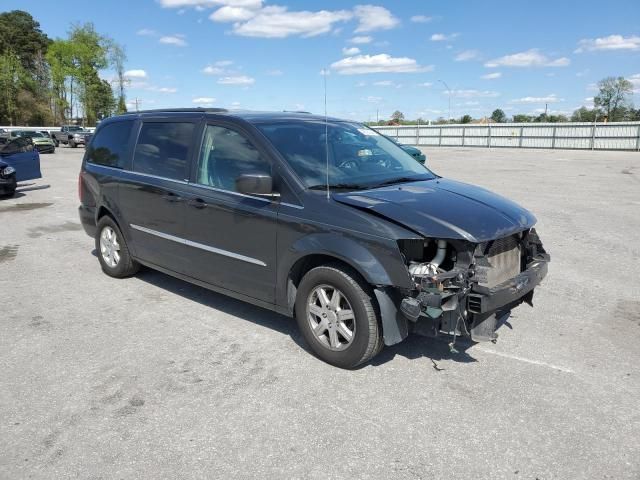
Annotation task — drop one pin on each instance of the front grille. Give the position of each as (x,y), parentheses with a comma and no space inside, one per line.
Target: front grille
(500,263)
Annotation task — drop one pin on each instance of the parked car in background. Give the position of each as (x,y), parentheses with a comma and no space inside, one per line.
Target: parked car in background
(7,179)
(41,142)
(71,135)
(317,218)
(23,159)
(413,151)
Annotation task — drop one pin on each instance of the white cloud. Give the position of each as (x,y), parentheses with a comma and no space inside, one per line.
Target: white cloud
(384,83)
(371,18)
(425,84)
(278,22)
(382,63)
(360,40)
(232,14)
(204,100)
(176,40)
(350,51)
(530,58)
(589,99)
(361,84)
(467,55)
(612,42)
(136,73)
(237,80)
(164,89)
(421,19)
(372,99)
(146,32)
(213,70)
(218,68)
(442,37)
(635,80)
(472,93)
(201,4)
(552,98)
(275,72)
(492,76)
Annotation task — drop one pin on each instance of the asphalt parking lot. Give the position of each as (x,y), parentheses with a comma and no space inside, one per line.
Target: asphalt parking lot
(151,377)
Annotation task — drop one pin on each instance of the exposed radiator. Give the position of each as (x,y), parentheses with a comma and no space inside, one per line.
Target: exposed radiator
(501,263)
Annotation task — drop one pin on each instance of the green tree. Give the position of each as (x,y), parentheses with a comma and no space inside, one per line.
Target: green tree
(498,116)
(466,119)
(584,114)
(397,116)
(21,34)
(117,59)
(13,78)
(614,97)
(522,118)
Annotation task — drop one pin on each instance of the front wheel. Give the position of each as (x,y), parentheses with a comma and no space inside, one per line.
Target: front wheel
(335,311)
(73,144)
(112,250)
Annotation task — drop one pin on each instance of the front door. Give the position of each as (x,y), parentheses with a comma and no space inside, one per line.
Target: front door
(233,236)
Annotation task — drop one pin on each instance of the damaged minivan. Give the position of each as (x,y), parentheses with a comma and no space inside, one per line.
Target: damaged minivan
(317,218)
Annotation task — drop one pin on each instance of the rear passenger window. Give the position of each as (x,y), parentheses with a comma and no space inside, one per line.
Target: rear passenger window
(163,149)
(109,146)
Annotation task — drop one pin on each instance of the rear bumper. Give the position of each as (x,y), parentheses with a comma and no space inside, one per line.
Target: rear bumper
(45,148)
(88,219)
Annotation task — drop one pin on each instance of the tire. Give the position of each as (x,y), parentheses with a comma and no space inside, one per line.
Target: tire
(56,142)
(337,348)
(72,144)
(115,259)
(9,194)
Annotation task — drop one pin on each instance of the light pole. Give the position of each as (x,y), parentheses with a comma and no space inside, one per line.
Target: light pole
(449,90)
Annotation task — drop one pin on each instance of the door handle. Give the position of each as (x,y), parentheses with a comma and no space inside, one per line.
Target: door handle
(197,203)
(171,197)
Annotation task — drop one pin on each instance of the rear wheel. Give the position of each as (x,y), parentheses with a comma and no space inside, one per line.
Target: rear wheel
(112,249)
(335,311)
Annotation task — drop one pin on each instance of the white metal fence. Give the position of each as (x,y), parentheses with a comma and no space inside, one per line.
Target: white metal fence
(586,136)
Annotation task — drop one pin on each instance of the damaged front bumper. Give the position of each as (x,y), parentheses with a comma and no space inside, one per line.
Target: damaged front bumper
(456,303)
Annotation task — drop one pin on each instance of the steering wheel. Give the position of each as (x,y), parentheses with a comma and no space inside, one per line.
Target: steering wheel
(349,165)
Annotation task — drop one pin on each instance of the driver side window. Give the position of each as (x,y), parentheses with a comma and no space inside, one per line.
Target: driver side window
(224,156)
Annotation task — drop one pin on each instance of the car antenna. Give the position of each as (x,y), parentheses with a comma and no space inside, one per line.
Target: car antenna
(326,129)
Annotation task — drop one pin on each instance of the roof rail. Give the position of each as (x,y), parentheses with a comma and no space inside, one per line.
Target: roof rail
(186,110)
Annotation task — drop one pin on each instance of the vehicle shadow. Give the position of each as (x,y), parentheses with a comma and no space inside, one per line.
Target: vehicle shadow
(28,188)
(222,303)
(413,347)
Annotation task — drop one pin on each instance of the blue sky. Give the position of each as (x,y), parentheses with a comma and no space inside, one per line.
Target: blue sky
(381,56)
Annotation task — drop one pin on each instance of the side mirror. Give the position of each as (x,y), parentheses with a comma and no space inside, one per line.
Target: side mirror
(255,184)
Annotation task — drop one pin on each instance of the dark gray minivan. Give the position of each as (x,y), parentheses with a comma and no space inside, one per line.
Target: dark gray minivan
(321,219)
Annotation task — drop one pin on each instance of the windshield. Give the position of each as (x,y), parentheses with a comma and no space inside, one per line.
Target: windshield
(30,134)
(358,156)
(75,129)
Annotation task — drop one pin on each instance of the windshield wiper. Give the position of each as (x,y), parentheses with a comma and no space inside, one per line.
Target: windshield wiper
(339,186)
(400,180)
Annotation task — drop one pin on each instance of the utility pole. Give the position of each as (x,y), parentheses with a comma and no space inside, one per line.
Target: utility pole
(546,107)
(137,101)
(377,116)
(449,90)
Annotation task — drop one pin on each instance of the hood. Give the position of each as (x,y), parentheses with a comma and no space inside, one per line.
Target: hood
(444,209)
(3,164)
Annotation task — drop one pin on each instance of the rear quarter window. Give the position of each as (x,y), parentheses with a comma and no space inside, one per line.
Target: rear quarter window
(109,145)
